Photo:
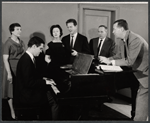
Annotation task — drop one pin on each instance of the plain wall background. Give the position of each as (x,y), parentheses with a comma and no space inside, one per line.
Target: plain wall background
(38,17)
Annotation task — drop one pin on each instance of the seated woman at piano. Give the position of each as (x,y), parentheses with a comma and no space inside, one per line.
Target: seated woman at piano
(56,56)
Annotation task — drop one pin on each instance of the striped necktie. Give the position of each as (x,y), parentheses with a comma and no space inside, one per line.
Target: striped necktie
(98,49)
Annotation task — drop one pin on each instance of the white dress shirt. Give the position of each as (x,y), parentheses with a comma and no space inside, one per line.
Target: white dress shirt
(31,56)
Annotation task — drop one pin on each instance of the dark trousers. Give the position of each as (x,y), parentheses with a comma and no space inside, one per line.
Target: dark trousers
(53,104)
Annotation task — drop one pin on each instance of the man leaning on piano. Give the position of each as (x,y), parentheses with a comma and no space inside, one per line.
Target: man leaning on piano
(132,52)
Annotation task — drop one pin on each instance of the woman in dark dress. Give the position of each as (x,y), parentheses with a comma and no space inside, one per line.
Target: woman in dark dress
(13,50)
(56,56)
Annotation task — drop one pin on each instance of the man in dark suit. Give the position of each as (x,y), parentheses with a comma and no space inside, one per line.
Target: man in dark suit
(32,89)
(102,45)
(75,42)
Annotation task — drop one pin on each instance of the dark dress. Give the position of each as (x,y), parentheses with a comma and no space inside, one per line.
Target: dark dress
(57,53)
(15,51)
(59,57)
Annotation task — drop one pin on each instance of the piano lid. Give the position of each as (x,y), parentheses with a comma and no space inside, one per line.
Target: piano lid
(82,63)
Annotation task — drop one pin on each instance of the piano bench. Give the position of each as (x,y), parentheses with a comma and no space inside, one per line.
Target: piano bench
(27,113)
(31,112)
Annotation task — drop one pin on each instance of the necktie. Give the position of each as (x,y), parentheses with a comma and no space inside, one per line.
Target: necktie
(71,42)
(34,61)
(98,49)
(125,50)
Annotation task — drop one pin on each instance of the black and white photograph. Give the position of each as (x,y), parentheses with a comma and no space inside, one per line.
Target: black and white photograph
(74,61)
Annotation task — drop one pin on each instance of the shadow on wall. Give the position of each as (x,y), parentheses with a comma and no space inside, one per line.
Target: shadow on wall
(93,33)
(38,34)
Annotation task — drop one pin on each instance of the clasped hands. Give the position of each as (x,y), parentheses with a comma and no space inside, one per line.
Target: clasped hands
(49,81)
(105,60)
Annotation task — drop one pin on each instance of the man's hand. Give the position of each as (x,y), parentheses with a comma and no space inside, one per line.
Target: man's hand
(47,58)
(49,81)
(74,52)
(105,60)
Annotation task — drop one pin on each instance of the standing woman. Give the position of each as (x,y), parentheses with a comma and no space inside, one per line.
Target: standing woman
(13,50)
(56,56)
(56,53)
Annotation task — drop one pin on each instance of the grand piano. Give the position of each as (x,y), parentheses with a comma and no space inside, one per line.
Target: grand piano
(87,82)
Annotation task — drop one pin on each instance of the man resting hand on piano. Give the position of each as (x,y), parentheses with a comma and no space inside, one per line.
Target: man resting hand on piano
(133,52)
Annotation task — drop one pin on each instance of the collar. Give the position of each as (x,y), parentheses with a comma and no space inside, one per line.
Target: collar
(126,36)
(30,54)
(102,39)
(74,35)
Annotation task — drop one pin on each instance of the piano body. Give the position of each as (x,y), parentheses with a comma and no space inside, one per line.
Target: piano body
(99,84)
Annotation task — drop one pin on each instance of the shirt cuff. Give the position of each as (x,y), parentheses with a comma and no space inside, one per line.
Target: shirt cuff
(113,62)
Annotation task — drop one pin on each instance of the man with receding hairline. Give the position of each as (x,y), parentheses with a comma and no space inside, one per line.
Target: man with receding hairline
(132,52)
(102,45)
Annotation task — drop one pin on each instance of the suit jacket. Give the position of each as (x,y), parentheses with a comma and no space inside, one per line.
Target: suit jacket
(107,50)
(80,45)
(30,88)
(137,56)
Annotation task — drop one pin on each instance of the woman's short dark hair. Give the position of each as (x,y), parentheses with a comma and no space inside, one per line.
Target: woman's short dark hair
(122,23)
(56,26)
(71,21)
(35,41)
(12,27)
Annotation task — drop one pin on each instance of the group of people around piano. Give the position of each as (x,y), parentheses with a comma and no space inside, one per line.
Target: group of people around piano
(24,83)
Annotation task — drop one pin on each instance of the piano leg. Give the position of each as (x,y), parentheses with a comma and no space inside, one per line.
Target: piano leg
(134,90)
(126,80)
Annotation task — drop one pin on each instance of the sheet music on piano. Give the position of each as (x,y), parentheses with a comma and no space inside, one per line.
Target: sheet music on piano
(109,68)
